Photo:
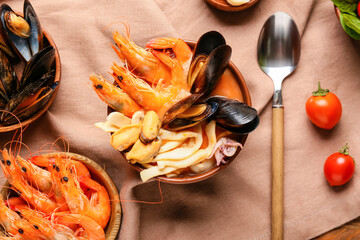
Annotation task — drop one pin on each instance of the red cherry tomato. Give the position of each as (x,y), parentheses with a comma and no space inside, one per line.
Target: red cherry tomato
(339,167)
(358,9)
(323,108)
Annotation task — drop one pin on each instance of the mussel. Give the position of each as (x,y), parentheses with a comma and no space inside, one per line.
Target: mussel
(205,79)
(36,87)
(192,118)
(207,43)
(210,59)
(20,35)
(233,115)
(9,83)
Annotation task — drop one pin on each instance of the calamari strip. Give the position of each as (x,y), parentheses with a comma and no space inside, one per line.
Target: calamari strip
(176,136)
(154,171)
(185,151)
(197,157)
(170,145)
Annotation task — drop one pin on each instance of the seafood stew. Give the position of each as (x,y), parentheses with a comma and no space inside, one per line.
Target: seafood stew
(174,105)
(31,61)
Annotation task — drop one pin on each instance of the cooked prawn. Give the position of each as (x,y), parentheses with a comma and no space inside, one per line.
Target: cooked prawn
(97,207)
(143,63)
(38,177)
(93,231)
(181,50)
(159,99)
(39,200)
(114,96)
(8,217)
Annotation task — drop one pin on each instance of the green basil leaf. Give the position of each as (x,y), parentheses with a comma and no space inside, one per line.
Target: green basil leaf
(346,6)
(351,25)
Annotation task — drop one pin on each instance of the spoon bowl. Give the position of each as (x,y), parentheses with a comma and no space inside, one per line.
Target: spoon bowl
(278,53)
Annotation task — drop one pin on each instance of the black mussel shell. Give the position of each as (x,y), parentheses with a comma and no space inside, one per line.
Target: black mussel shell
(209,75)
(2,103)
(18,44)
(38,65)
(27,112)
(36,36)
(182,123)
(9,82)
(244,129)
(179,108)
(20,96)
(233,115)
(207,43)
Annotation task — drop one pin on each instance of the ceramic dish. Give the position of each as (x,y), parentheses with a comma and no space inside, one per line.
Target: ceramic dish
(225,6)
(99,175)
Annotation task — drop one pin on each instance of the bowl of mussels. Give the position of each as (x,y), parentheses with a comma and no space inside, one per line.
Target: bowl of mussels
(29,68)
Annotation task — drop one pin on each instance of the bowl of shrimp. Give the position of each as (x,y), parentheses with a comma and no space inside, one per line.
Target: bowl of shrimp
(31,68)
(178,111)
(58,195)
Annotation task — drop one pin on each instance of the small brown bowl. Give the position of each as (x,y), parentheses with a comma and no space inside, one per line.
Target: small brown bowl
(225,6)
(57,67)
(192,177)
(99,175)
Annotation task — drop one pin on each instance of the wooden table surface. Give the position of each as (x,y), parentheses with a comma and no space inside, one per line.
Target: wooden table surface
(348,231)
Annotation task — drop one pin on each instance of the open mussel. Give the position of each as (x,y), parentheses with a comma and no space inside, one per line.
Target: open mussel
(32,94)
(22,35)
(179,108)
(205,72)
(207,43)
(29,106)
(233,115)
(38,65)
(36,37)
(9,82)
(210,59)
(193,116)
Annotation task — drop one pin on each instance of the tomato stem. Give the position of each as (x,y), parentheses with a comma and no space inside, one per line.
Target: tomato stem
(320,92)
(345,150)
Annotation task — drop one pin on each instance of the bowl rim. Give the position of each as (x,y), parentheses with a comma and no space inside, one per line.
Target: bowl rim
(225,6)
(112,228)
(38,114)
(209,173)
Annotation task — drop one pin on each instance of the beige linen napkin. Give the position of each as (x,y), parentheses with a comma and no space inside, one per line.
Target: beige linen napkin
(235,204)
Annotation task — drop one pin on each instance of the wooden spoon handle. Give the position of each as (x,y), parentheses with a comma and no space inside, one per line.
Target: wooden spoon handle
(277,213)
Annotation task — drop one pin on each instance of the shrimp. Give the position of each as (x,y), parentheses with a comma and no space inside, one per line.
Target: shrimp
(98,207)
(159,99)
(114,96)
(8,217)
(15,225)
(48,229)
(99,201)
(181,50)
(143,63)
(46,162)
(93,231)
(39,200)
(27,231)
(15,203)
(37,176)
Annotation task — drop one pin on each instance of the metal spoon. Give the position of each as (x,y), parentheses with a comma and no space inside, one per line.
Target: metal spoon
(278,55)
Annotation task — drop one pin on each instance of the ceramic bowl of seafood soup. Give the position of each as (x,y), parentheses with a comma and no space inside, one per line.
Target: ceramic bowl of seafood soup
(196,177)
(99,175)
(57,68)
(225,6)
